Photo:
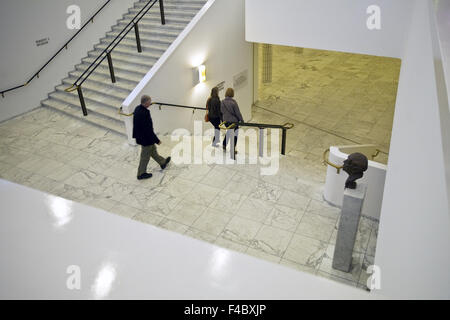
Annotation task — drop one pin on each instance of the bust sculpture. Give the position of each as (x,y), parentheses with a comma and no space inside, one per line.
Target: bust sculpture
(355,165)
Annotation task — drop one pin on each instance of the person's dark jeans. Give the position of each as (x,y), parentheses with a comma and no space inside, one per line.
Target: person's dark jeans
(215,122)
(230,133)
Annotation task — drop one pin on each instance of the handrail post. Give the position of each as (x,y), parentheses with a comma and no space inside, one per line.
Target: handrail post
(161,9)
(232,145)
(111,67)
(83,104)
(261,142)
(283,142)
(138,39)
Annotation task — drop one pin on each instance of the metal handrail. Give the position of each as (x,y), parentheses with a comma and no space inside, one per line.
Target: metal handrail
(177,106)
(125,114)
(285,126)
(224,127)
(261,126)
(326,160)
(106,50)
(63,47)
(161,104)
(91,68)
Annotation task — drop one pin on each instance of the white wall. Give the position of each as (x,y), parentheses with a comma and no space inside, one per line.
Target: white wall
(214,38)
(441,51)
(442,9)
(413,248)
(327,24)
(22,23)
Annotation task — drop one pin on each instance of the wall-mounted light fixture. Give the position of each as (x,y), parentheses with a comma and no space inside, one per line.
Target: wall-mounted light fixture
(201,73)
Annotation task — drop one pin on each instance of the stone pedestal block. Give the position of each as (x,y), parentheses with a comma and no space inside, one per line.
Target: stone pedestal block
(348,227)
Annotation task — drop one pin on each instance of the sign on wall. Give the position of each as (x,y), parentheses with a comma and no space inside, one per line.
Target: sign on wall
(221,85)
(42,42)
(240,79)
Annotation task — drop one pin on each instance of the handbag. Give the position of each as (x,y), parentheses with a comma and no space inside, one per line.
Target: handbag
(206,115)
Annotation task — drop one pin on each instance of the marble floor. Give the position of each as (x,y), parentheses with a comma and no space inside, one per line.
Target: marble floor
(332,98)
(281,218)
(44,239)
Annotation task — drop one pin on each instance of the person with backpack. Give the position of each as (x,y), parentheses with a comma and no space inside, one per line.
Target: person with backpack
(214,114)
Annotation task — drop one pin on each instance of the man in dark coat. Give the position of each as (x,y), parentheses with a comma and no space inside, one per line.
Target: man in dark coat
(146,137)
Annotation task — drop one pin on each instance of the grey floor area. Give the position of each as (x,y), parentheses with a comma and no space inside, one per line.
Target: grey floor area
(281,218)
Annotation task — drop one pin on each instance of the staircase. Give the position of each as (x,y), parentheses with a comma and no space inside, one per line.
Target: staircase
(104,98)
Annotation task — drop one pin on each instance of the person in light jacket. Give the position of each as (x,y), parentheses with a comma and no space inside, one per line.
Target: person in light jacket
(230,114)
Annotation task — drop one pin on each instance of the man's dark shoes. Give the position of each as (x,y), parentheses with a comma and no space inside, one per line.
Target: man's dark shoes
(164,165)
(145,176)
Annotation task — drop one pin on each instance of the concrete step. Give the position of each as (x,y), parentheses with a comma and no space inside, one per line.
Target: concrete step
(105,80)
(108,103)
(153,25)
(131,54)
(125,61)
(140,4)
(92,118)
(70,101)
(151,32)
(103,69)
(150,38)
(102,97)
(100,87)
(130,46)
(180,5)
(170,19)
(169,11)
(160,39)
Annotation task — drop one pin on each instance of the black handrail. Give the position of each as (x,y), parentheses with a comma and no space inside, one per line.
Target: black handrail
(177,106)
(286,126)
(261,126)
(91,68)
(64,46)
(110,44)
(162,104)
